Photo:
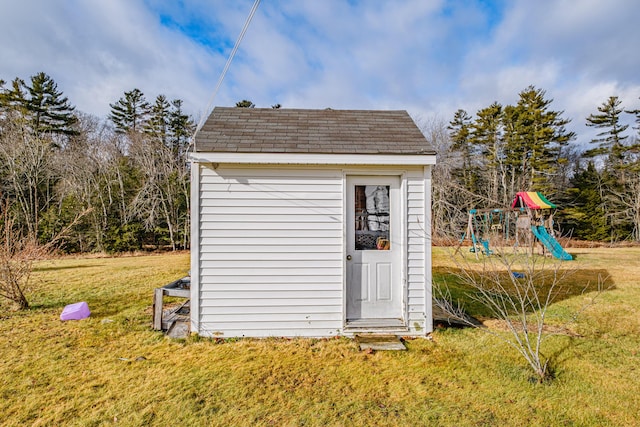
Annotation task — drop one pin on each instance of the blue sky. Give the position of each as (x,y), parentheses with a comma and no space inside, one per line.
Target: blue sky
(427,57)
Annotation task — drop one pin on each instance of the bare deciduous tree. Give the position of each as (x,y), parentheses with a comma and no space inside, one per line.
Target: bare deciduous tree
(17,254)
(623,196)
(29,171)
(93,179)
(517,289)
(163,195)
(451,200)
(18,251)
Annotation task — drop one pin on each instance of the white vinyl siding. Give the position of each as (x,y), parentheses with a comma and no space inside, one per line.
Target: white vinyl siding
(270,253)
(270,248)
(416,240)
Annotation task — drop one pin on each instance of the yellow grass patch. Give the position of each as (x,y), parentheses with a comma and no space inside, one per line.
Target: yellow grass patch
(112,369)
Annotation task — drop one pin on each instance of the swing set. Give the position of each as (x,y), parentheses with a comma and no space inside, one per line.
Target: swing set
(530,219)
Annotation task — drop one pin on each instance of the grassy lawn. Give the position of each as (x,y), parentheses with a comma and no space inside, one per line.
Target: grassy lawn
(112,369)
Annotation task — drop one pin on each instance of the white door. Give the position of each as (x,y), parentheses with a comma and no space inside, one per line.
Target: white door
(374,251)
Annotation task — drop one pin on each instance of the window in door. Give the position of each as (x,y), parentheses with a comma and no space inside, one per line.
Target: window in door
(372,217)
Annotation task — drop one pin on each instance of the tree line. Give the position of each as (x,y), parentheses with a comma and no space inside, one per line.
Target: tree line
(484,160)
(122,182)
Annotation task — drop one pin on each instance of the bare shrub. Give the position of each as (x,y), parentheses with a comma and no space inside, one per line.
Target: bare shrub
(17,255)
(18,252)
(516,288)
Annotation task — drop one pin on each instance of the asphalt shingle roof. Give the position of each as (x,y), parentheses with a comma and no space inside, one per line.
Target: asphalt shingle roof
(267,130)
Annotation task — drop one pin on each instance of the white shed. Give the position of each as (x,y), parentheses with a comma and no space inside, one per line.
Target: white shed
(310,223)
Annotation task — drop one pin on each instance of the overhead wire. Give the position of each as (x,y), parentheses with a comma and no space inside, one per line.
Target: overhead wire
(204,117)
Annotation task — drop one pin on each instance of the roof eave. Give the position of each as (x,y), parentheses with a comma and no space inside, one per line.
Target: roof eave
(314,158)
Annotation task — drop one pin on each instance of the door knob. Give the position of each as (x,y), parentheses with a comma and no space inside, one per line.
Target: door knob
(348,257)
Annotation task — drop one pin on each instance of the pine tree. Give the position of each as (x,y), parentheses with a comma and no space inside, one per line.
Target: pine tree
(621,169)
(585,213)
(129,114)
(169,124)
(460,134)
(542,132)
(40,106)
(611,139)
(245,103)
(3,97)
(182,128)
(636,113)
(49,111)
(486,133)
(13,101)
(515,154)
(159,117)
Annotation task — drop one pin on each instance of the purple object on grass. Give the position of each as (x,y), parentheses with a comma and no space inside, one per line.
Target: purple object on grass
(77,311)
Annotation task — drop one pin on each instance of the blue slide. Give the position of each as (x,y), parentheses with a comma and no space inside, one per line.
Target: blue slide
(550,243)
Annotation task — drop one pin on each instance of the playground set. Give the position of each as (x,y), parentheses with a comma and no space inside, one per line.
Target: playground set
(529,219)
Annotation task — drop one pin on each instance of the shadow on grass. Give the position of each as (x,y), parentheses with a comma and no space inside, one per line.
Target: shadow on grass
(66,267)
(579,282)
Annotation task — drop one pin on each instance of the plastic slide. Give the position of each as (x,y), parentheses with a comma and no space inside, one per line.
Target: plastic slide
(550,243)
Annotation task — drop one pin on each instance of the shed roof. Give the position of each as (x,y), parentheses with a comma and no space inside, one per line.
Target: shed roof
(267,130)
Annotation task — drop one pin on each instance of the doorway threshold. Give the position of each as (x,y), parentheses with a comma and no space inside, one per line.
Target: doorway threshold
(375,325)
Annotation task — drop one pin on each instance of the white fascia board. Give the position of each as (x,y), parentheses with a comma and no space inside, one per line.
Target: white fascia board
(314,159)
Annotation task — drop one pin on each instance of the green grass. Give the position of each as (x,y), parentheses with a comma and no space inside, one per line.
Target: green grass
(112,369)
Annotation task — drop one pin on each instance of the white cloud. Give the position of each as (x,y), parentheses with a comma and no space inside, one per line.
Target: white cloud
(96,51)
(579,52)
(429,57)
